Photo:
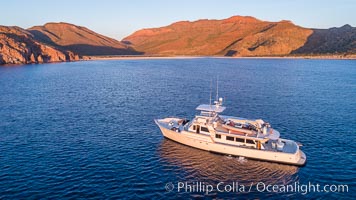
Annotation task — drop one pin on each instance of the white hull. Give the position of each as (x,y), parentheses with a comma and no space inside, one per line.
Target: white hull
(206,142)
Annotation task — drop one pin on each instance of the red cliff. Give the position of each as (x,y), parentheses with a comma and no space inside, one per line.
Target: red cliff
(18,46)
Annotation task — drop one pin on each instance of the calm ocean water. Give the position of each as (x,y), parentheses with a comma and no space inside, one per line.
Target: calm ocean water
(86,130)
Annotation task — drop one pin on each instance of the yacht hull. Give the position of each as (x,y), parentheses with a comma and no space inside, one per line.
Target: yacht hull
(206,142)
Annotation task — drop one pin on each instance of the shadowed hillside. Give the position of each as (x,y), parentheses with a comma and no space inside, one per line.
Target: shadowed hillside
(79,39)
(330,41)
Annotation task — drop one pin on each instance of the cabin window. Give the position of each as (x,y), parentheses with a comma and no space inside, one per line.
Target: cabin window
(204,129)
(218,136)
(194,127)
(240,140)
(230,138)
(250,141)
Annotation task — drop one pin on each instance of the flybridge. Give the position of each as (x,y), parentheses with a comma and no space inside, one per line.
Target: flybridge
(211,108)
(217,107)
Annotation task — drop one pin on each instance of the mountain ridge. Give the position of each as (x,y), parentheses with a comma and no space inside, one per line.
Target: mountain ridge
(239,36)
(236,36)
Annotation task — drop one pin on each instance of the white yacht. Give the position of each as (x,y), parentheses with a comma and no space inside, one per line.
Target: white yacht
(235,136)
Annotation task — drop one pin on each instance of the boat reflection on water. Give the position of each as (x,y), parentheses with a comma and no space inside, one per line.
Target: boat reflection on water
(203,166)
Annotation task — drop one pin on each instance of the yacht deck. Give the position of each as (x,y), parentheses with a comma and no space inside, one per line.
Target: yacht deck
(289,146)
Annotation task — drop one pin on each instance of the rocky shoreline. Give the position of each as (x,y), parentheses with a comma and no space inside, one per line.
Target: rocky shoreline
(129,57)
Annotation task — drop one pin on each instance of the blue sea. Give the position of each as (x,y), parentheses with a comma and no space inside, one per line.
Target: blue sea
(85,130)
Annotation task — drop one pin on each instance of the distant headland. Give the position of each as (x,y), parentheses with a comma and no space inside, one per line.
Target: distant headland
(237,36)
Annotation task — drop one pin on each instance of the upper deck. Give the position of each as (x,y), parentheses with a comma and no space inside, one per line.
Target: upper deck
(211,108)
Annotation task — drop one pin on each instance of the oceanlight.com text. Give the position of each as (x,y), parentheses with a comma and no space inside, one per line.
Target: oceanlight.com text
(236,187)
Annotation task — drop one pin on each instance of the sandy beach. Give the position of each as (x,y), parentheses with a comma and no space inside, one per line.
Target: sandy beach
(155,57)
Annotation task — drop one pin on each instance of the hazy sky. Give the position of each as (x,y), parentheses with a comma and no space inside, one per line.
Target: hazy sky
(120,18)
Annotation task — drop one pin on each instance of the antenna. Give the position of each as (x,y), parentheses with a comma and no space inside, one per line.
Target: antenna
(217,88)
(211,89)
